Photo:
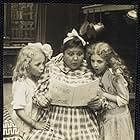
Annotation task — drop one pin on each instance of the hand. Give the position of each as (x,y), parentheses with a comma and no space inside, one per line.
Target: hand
(41,125)
(44,100)
(95,103)
(100,92)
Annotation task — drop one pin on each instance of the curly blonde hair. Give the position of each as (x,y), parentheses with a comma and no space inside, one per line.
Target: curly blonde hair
(105,51)
(21,69)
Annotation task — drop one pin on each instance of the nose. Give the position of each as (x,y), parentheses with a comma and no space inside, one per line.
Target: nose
(75,57)
(41,67)
(95,64)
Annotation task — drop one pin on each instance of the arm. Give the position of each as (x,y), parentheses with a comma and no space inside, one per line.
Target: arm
(120,86)
(110,97)
(22,115)
(41,97)
(19,103)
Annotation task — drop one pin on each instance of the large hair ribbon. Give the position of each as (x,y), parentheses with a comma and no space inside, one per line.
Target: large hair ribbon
(70,36)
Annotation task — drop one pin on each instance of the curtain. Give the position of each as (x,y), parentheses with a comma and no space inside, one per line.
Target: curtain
(41,22)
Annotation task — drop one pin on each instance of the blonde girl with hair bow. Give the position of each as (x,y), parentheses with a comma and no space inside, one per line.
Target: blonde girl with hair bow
(29,67)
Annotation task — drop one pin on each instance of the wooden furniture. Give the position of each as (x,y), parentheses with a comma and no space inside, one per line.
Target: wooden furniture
(105,8)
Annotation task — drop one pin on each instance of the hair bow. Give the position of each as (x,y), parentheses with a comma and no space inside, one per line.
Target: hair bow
(73,34)
(46,48)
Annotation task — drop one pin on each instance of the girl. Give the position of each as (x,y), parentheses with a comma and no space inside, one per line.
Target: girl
(28,69)
(69,122)
(116,121)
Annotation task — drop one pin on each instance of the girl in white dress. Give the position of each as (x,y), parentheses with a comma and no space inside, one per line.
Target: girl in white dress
(29,67)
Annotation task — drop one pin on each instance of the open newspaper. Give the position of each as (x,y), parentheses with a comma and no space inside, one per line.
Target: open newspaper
(70,95)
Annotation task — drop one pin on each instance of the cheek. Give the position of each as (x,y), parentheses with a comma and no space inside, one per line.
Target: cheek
(33,70)
(92,64)
(67,59)
(103,67)
(82,56)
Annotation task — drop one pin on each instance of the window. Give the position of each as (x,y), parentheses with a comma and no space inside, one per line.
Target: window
(21,21)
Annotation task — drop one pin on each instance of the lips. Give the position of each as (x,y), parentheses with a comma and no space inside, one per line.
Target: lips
(74,63)
(40,72)
(97,70)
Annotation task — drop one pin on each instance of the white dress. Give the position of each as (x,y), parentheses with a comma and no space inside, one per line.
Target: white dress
(23,92)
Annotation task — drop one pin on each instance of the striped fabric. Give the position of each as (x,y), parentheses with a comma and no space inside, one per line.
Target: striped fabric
(6,115)
(67,123)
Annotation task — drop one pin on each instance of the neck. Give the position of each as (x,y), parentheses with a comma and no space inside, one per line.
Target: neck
(101,74)
(34,78)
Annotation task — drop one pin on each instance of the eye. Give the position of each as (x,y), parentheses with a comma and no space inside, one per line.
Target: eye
(99,61)
(37,64)
(92,61)
(70,53)
(80,53)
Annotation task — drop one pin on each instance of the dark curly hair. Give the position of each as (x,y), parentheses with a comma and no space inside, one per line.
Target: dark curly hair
(74,42)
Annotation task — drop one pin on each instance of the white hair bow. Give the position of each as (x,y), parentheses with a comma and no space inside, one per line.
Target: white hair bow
(46,48)
(73,34)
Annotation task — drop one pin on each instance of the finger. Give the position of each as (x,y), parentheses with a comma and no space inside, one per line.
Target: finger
(95,99)
(93,102)
(44,101)
(47,96)
(46,127)
(43,104)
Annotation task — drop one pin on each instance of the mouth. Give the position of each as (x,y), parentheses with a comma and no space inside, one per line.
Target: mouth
(40,72)
(97,71)
(74,64)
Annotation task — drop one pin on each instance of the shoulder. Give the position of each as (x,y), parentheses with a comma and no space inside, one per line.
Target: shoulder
(119,78)
(19,84)
(56,59)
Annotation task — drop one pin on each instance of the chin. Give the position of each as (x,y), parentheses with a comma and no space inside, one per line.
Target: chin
(74,68)
(37,75)
(98,72)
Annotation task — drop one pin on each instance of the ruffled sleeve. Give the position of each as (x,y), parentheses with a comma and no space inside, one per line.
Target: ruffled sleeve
(120,85)
(19,95)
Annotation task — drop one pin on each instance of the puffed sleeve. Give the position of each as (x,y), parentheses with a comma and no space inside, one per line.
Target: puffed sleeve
(19,95)
(120,85)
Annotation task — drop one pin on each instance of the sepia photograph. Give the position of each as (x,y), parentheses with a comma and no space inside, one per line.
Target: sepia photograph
(69,71)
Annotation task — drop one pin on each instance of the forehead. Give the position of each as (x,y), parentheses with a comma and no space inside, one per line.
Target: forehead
(96,57)
(75,49)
